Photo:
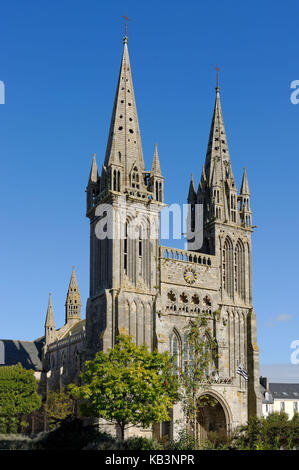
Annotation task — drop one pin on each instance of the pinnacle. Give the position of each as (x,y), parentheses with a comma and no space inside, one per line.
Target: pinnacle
(93,176)
(50,313)
(156,169)
(245,186)
(192,192)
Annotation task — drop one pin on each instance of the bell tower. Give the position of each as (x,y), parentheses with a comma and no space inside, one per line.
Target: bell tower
(123,206)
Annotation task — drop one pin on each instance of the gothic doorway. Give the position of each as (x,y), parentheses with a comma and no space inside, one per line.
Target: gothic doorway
(211,417)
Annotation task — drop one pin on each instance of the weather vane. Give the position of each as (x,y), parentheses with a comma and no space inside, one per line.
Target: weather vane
(126,22)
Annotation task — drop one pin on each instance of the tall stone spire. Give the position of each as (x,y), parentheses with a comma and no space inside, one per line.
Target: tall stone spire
(217,157)
(217,186)
(73,301)
(124,142)
(50,322)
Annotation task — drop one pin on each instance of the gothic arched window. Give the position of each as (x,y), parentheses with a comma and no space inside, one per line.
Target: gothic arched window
(239,262)
(175,350)
(126,248)
(227,267)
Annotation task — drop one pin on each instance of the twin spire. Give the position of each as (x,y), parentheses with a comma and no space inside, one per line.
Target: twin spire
(217,189)
(124,143)
(217,165)
(124,149)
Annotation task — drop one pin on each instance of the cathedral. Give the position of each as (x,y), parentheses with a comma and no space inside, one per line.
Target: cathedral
(149,291)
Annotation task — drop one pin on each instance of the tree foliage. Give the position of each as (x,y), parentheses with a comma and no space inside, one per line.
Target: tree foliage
(272,433)
(18,394)
(128,385)
(196,375)
(59,406)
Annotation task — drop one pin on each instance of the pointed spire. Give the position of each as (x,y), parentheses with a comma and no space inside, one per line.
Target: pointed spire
(202,181)
(245,186)
(50,323)
(192,192)
(93,175)
(124,141)
(73,301)
(217,158)
(156,169)
(50,313)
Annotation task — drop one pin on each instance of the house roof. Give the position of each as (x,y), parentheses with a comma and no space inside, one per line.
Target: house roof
(285,391)
(28,353)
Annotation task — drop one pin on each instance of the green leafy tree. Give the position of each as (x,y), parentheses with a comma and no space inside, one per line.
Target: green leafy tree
(200,357)
(128,385)
(59,406)
(18,395)
(272,433)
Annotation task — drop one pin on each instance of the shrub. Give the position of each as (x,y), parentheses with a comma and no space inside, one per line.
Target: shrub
(272,433)
(217,441)
(16,442)
(106,442)
(70,435)
(185,441)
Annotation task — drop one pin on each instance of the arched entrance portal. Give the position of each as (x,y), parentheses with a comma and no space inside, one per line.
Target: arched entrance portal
(211,417)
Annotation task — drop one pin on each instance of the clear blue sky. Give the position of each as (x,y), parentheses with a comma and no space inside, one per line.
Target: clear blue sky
(60,62)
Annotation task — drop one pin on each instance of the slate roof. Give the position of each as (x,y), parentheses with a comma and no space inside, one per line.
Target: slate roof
(78,327)
(284,391)
(28,353)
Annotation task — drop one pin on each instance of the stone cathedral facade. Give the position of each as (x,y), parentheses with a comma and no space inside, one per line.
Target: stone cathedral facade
(150,291)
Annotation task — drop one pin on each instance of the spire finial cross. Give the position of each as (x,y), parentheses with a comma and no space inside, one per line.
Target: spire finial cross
(217,68)
(126,22)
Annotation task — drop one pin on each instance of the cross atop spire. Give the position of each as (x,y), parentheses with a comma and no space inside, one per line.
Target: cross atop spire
(217,81)
(126,24)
